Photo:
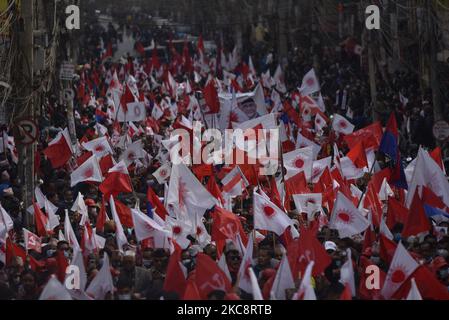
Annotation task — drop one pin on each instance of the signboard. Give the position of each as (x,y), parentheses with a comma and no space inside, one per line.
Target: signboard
(27,131)
(441,130)
(67,71)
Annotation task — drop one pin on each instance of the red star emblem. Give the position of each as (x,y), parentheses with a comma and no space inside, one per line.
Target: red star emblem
(343,124)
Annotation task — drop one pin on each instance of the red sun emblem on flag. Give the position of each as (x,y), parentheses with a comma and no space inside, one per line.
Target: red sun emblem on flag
(345,217)
(316,172)
(137,111)
(199,231)
(99,148)
(398,276)
(310,82)
(299,163)
(177,230)
(88,173)
(148,227)
(163,173)
(342,124)
(268,211)
(318,120)
(306,111)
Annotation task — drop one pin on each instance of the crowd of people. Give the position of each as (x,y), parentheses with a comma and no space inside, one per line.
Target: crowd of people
(395,209)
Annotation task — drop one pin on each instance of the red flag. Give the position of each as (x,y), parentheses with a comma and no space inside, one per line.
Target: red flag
(14,250)
(124,214)
(226,226)
(117,181)
(175,280)
(417,221)
(396,213)
(305,249)
(211,97)
(32,241)
(214,189)
(106,163)
(191,292)
(40,219)
(370,136)
(153,199)
(58,151)
(209,277)
(83,158)
(358,156)
(387,248)
(62,263)
(126,98)
(346,294)
(428,285)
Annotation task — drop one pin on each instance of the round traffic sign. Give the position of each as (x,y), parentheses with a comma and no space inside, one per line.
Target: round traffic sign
(27,131)
(441,130)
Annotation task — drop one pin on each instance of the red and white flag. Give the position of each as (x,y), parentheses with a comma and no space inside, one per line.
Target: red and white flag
(6,223)
(234,183)
(308,203)
(59,150)
(267,216)
(144,226)
(320,122)
(347,273)
(185,189)
(342,125)
(32,241)
(401,268)
(163,173)
(69,234)
(283,280)
(303,142)
(133,152)
(120,236)
(89,171)
(414,293)
(300,160)
(117,180)
(318,168)
(245,265)
(346,218)
(99,147)
(102,283)
(54,290)
(310,84)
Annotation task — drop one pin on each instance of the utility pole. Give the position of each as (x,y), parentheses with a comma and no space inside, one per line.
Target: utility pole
(26,152)
(432,32)
(372,75)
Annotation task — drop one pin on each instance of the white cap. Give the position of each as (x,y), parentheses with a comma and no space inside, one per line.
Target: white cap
(329,245)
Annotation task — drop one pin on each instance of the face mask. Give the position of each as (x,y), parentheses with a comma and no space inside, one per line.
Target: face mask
(66,254)
(397,237)
(124,296)
(443,273)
